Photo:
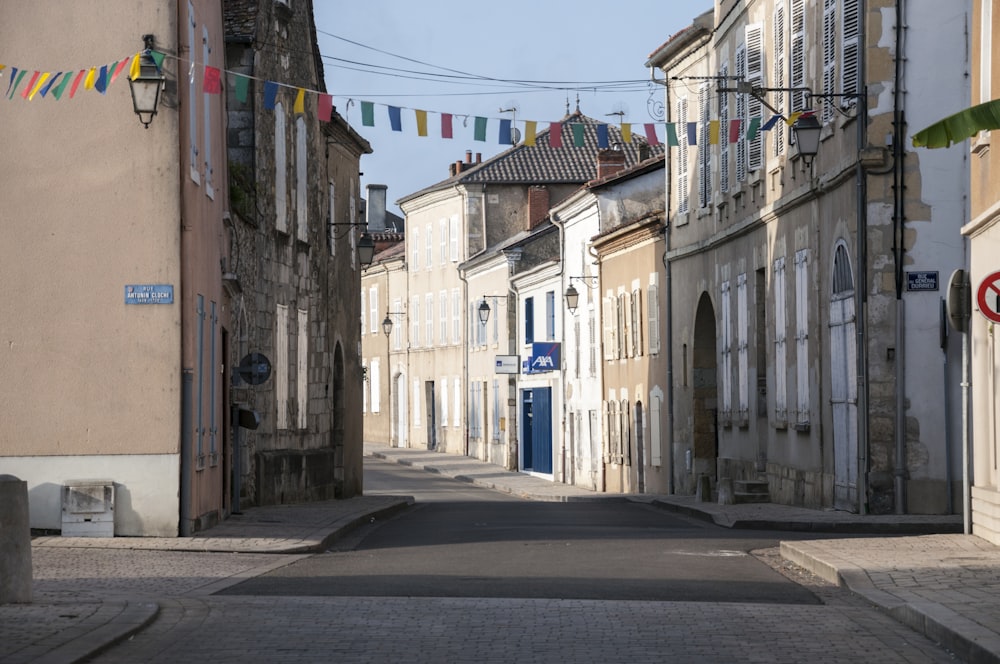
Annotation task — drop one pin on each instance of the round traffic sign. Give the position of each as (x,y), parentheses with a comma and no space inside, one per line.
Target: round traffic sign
(988,297)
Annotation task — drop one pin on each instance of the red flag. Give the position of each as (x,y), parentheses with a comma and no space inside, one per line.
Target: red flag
(555,134)
(118,69)
(212,84)
(31,84)
(651,134)
(734,131)
(324,107)
(76,82)
(446,125)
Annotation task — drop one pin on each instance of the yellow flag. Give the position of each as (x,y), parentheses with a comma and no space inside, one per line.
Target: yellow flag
(300,102)
(713,132)
(421,122)
(626,132)
(88,83)
(530,127)
(38,86)
(133,69)
(792,118)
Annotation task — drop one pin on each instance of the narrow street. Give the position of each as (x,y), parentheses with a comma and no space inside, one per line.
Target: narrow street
(469,574)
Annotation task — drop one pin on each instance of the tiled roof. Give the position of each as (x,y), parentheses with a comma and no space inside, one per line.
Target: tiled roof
(544,164)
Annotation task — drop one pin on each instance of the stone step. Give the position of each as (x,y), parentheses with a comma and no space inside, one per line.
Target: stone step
(751,486)
(740,497)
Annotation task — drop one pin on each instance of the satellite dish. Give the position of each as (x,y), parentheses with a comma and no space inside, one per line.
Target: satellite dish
(515,136)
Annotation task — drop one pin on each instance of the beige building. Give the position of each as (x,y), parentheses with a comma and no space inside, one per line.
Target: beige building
(804,323)
(114,318)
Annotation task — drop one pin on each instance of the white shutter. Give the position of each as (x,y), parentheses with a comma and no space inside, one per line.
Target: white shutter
(609,318)
(741,115)
(829,55)
(456,316)
(414,250)
(415,321)
(724,137)
(429,319)
(704,149)
(755,76)
(444,402)
(798,59)
(364,312)
(429,246)
(653,315)
(373,308)
(443,317)
(851,55)
(453,237)
(375,381)
(655,409)
(683,190)
(280,170)
(726,388)
(443,240)
(457,410)
(780,360)
(802,334)
(301,180)
(779,74)
(281,367)
(742,347)
(302,369)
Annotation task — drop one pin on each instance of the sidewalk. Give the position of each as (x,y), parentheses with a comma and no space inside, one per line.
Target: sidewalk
(946,586)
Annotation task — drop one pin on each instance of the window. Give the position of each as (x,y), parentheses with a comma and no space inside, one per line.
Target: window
(496,320)
(453,231)
(704,149)
(592,339)
(683,192)
(798,59)
(415,321)
(456,316)
(364,309)
(724,139)
(280,172)
(609,318)
(429,319)
(778,74)
(281,367)
(443,240)
(850,45)
(755,77)
(740,61)
(373,310)
(829,54)
(352,206)
(206,53)
(475,409)
(576,346)
(457,410)
(429,246)
(397,328)
(653,314)
(655,438)
(550,316)
(443,317)
(479,329)
(301,180)
(302,369)
(802,335)
(496,409)
(375,381)
(415,251)
(635,326)
(364,386)
(725,331)
(780,359)
(529,320)
(621,321)
(742,347)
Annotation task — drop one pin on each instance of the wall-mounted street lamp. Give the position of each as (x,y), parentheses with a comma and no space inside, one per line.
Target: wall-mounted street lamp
(365,246)
(147,85)
(387,322)
(572,295)
(807,130)
(484,309)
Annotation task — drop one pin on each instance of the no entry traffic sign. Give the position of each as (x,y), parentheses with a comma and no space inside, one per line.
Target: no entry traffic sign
(988,297)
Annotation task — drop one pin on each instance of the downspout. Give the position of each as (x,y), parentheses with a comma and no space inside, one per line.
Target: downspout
(861,277)
(562,325)
(899,220)
(667,288)
(187,382)
(465,357)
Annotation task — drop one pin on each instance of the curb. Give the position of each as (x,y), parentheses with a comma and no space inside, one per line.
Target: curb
(130,617)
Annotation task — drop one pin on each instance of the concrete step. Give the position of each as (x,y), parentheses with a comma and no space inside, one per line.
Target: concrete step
(740,497)
(751,491)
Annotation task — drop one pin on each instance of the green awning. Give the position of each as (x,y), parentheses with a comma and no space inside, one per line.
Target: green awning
(955,128)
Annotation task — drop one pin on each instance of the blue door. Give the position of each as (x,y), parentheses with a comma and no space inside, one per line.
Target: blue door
(527,430)
(541,430)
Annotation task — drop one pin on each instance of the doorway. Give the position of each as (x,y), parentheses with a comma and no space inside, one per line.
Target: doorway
(430,401)
(844,383)
(705,394)
(536,430)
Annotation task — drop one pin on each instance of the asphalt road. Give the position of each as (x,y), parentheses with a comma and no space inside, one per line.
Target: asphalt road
(471,575)
(471,542)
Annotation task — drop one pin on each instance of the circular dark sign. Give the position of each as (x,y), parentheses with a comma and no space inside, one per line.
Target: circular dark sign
(255,368)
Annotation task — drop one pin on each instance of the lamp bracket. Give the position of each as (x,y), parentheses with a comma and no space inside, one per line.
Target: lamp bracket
(343,234)
(590,281)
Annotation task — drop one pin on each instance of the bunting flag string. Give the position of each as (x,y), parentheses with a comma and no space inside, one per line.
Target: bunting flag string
(100,77)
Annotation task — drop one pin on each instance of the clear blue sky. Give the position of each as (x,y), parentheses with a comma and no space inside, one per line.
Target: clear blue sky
(399,53)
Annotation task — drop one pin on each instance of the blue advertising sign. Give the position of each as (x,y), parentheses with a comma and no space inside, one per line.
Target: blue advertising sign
(544,357)
(149,294)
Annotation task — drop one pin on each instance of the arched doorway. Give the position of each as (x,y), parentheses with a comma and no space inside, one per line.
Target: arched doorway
(844,383)
(705,395)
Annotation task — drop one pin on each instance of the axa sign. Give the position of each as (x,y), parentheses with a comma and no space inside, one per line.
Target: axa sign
(544,357)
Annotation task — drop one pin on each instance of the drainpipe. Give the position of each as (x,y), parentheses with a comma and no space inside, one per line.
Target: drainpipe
(187,383)
(861,278)
(562,325)
(668,292)
(899,221)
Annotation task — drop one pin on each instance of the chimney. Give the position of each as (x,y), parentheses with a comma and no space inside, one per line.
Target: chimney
(479,157)
(609,162)
(538,205)
(468,156)
(375,208)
